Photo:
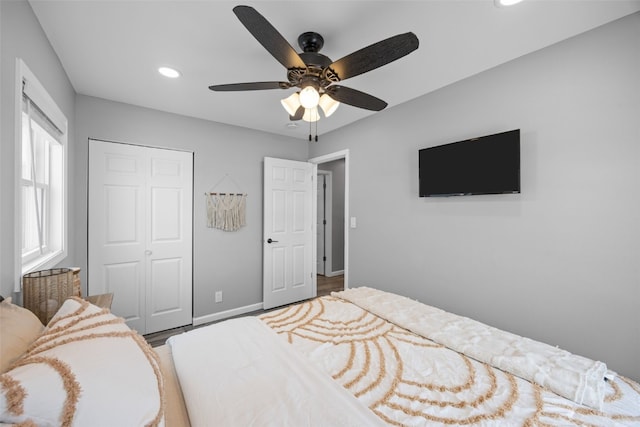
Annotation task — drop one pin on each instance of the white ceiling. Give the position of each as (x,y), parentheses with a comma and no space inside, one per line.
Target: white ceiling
(112,49)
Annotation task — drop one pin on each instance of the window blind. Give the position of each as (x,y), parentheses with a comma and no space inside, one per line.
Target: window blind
(44,110)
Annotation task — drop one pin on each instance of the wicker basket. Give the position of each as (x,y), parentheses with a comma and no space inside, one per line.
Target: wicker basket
(46,290)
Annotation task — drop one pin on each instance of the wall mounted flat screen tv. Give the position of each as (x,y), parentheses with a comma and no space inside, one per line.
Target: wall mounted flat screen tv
(485,165)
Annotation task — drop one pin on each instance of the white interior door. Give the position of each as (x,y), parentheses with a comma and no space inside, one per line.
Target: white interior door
(140,233)
(289,247)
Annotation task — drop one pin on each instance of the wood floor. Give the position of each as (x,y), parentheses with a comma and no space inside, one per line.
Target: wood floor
(326,285)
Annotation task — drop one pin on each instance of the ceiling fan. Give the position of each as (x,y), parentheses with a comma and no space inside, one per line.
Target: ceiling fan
(315,74)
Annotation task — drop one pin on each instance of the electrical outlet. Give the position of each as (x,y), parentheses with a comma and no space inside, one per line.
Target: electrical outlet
(218,296)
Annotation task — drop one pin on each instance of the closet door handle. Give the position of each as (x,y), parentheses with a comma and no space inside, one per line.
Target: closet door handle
(269,240)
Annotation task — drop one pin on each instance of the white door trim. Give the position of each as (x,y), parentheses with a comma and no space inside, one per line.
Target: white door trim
(328,211)
(342,154)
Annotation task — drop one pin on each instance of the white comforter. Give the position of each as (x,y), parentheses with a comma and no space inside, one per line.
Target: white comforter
(409,380)
(575,377)
(240,373)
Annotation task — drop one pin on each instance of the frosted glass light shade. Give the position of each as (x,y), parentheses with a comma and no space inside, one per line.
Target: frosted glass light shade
(291,103)
(328,104)
(311,115)
(309,97)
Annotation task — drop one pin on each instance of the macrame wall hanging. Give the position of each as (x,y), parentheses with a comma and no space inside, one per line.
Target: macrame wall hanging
(226,211)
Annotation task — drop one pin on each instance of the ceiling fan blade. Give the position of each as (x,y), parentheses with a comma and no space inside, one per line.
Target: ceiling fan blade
(250,86)
(269,37)
(356,98)
(373,56)
(298,115)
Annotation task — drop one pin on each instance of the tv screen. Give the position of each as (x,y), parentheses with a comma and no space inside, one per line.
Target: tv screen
(486,165)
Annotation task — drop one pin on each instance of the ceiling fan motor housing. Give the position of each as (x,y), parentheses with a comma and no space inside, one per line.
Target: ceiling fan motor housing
(310,41)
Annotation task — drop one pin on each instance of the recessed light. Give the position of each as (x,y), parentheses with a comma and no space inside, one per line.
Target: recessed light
(172,73)
(291,125)
(502,3)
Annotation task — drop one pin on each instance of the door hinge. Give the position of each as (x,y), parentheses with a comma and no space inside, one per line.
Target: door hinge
(324,222)
(324,258)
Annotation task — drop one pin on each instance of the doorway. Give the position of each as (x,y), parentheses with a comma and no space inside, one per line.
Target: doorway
(289,238)
(336,166)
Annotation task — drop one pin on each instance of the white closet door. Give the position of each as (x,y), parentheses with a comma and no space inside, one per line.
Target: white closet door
(169,240)
(140,233)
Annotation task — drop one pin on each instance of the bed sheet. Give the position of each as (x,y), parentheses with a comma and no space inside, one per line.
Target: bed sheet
(239,373)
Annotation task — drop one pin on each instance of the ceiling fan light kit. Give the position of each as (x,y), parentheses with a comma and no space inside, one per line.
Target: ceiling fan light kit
(314,74)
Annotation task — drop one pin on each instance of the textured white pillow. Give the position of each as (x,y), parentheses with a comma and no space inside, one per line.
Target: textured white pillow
(87,369)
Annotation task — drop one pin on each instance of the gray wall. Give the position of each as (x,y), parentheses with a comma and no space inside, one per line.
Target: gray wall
(560,262)
(22,37)
(230,262)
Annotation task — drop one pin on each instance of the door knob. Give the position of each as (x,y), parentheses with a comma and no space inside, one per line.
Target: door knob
(269,240)
(148,252)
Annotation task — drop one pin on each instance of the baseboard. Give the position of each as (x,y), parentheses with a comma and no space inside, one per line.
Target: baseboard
(226,314)
(334,273)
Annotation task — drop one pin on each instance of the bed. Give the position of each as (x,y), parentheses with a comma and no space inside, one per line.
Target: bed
(361,357)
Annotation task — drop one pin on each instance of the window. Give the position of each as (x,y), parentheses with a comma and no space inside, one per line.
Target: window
(41,176)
